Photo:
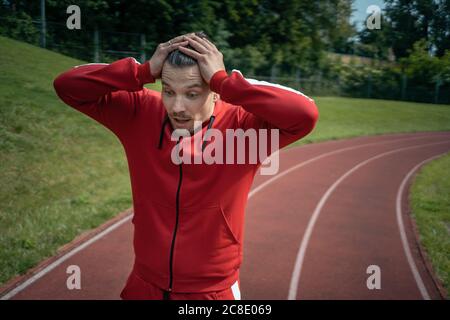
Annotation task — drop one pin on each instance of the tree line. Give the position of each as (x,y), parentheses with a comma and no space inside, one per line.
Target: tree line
(260,37)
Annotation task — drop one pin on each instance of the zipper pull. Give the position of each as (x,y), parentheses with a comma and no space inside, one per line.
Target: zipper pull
(166,294)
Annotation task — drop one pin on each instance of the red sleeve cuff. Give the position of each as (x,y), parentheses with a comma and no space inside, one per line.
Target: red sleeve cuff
(217,79)
(144,74)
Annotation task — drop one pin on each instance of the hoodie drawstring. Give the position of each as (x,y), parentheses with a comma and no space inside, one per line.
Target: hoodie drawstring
(161,135)
(211,120)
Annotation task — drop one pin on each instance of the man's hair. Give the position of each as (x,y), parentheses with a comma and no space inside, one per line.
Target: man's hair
(178,59)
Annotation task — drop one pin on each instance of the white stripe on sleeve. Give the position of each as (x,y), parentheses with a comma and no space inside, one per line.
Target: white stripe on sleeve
(265,83)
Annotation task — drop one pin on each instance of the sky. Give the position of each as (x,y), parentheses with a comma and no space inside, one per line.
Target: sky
(360,6)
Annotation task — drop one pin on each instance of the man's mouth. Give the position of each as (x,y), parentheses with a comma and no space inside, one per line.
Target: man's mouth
(181,121)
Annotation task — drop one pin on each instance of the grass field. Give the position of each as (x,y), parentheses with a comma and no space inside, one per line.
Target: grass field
(346,117)
(62,173)
(430,204)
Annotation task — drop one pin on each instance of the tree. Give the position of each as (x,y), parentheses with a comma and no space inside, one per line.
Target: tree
(404,22)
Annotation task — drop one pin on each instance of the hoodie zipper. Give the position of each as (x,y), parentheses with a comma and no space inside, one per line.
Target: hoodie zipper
(166,294)
(172,247)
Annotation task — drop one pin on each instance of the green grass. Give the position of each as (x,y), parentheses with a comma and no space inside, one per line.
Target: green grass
(348,117)
(430,205)
(62,173)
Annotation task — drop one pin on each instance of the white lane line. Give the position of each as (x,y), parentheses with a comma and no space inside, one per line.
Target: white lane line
(47,269)
(293,289)
(384,137)
(56,263)
(401,227)
(326,154)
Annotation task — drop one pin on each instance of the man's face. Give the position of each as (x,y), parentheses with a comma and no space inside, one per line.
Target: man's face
(186,96)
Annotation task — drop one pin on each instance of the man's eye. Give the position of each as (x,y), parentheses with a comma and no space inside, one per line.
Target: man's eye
(192,95)
(169,93)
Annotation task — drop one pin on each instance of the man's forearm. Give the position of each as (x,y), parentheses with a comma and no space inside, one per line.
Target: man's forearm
(285,108)
(90,82)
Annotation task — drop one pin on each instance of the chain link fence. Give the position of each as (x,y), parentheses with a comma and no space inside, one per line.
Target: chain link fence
(94,45)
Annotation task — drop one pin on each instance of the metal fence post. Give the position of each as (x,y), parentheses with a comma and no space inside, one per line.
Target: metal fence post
(96,45)
(403,87)
(320,83)
(339,85)
(43,25)
(297,78)
(143,56)
(273,73)
(436,90)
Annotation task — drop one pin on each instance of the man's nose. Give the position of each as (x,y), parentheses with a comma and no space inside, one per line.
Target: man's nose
(178,105)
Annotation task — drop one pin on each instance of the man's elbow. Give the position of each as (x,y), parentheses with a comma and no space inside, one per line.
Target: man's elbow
(307,120)
(59,84)
(312,114)
(63,87)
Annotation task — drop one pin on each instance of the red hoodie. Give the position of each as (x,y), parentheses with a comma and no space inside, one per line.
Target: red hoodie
(188,218)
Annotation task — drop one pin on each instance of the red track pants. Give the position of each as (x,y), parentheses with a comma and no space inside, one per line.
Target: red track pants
(138,289)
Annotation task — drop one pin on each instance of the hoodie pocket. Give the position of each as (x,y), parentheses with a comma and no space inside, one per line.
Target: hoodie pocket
(205,247)
(137,289)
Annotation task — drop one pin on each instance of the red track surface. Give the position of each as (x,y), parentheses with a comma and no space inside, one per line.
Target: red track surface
(311,232)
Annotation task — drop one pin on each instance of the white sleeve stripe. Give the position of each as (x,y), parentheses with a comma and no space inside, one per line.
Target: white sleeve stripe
(89,64)
(265,83)
(137,62)
(105,64)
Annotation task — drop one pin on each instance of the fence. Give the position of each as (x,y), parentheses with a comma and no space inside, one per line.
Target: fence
(91,45)
(96,45)
(400,90)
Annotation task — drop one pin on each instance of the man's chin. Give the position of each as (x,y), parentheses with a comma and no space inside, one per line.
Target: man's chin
(189,125)
(186,126)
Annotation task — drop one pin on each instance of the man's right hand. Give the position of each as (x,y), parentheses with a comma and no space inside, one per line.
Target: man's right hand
(163,49)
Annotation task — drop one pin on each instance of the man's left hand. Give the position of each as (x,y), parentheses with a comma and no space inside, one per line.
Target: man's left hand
(209,58)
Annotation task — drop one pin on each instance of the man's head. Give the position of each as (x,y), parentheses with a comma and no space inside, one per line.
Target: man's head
(185,94)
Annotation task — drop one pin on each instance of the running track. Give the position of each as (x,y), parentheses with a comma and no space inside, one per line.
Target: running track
(334,209)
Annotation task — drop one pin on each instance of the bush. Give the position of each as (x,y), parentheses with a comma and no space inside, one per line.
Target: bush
(19,26)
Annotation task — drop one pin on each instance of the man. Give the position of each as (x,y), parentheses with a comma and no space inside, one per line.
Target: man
(188,217)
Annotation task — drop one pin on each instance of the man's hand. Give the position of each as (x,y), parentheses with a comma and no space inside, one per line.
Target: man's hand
(163,49)
(209,58)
